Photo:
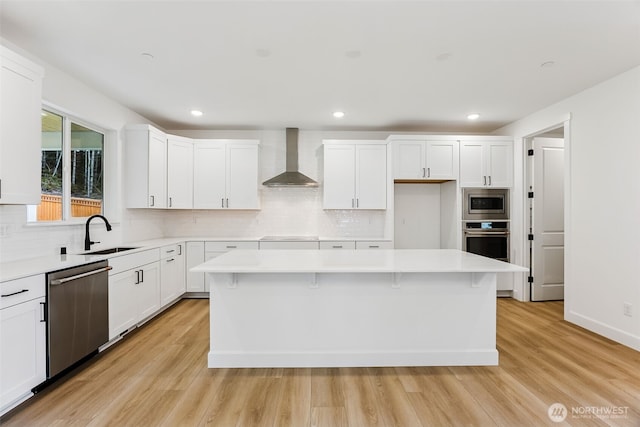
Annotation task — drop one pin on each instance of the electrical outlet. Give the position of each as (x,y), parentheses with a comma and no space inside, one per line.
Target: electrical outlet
(627,309)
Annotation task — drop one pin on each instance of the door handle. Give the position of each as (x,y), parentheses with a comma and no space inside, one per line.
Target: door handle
(80,276)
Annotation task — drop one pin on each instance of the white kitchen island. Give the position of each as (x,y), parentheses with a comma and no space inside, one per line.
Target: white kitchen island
(350,308)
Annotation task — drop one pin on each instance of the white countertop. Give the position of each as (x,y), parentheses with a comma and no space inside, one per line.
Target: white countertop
(44,264)
(355,261)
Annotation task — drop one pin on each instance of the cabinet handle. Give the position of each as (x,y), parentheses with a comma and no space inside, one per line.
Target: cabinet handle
(428,172)
(137,277)
(170,201)
(353,203)
(337,246)
(170,251)
(179,249)
(227,203)
(489,179)
(357,203)
(231,247)
(485,180)
(153,200)
(141,276)
(171,259)
(373,246)
(222,202)
(423,172)
(44,312)
(14,293)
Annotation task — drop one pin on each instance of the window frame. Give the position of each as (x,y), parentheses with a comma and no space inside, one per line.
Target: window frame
(67,120)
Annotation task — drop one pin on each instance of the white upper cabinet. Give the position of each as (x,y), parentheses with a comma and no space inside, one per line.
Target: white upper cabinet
(20,139)
(355,175)
(145,158)
(486,164)
(424,159)
(225,174)
(179,172)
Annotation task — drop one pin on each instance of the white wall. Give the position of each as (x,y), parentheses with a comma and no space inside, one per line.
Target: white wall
(602,205)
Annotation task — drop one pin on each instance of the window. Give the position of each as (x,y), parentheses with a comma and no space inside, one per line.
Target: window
(72,169)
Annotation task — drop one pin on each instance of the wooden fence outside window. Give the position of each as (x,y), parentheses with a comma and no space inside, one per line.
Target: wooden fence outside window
(50,208)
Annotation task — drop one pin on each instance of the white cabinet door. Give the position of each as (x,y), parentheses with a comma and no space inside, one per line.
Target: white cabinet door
(408,160)
(209,175)
(145,167)
(371,177)
(486,164)
(22,350)
(339,177)
(441,160)
(172,281)
(242,176)
(179,173)
(20,139)
(500,164)
(472,164)
(148,290)
(123,306)
(157,171)
(195,256)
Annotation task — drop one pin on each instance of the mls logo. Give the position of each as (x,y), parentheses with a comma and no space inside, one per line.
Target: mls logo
(557,412)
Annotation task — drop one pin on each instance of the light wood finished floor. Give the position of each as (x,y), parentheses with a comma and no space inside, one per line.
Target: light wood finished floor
(158,376)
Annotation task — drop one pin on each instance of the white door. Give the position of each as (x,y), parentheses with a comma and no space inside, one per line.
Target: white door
(548,220)
(180,174)
(209,175)
(499,168)
(408,160)
(472,164)
(339,177)
(157,171)
(442,161)
(371,176)
(242,176)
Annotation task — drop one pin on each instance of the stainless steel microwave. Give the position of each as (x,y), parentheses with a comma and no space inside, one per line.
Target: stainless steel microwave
(485,203)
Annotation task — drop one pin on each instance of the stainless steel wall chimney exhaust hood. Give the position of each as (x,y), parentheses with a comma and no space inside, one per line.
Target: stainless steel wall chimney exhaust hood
(291,177)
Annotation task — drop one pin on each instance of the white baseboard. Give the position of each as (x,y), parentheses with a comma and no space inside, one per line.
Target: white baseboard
(605,330)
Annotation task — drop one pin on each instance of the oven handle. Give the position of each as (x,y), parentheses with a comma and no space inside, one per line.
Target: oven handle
(487,233)
(80,276)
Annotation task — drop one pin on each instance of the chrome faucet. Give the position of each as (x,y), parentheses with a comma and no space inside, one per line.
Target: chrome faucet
(87,239)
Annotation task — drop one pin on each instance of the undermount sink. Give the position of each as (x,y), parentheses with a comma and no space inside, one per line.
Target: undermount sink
(111,250)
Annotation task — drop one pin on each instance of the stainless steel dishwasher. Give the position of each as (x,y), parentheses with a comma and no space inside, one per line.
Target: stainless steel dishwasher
(78,314)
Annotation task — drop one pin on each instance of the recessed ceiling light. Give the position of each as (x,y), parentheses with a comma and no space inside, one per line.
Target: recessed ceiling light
(196,113)
(338,114)
(473,116)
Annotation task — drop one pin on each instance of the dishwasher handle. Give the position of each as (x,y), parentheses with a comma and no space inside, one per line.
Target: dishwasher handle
(80,276)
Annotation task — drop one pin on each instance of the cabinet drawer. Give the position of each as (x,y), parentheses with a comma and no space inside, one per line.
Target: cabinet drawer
(229,245)
(170,251)
(127,262)
(380,244)
(289,245)
(20,290)
(342,244)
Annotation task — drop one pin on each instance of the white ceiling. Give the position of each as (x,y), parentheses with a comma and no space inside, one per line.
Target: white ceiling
(390,65)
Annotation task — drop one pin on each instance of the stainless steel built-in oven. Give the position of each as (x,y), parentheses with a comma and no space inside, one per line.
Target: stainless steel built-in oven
(485,204)
(487,238)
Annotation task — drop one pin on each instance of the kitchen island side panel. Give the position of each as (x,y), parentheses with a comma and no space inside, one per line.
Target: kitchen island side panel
(352,319)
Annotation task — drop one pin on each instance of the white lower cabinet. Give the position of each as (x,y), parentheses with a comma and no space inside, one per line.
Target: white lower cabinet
(134,290)
(195,256)
(172,277)
(23,360)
